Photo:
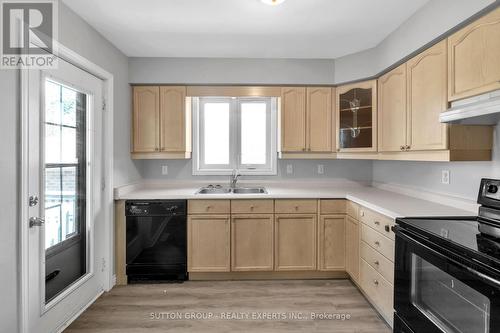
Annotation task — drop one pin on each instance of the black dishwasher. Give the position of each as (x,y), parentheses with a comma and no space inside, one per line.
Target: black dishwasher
(156,238)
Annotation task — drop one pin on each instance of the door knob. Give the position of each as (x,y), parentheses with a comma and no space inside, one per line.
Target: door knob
(36,222)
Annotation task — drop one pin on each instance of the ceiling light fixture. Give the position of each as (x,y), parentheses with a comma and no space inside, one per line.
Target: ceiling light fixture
(273,2)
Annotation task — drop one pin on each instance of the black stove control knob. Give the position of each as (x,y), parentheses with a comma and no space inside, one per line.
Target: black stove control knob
(492,188)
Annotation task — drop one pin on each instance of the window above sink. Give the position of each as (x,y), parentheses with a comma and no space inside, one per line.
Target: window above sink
(234,133)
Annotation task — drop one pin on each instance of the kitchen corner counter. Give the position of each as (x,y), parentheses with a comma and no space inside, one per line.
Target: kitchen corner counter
(385,202)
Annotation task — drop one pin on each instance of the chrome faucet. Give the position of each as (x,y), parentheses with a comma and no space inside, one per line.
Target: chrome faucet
(234,178)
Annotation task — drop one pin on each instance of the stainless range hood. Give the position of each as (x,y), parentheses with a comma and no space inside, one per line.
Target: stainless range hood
(479,110)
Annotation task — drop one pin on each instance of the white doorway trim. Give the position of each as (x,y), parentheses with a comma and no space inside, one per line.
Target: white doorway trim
(90,67)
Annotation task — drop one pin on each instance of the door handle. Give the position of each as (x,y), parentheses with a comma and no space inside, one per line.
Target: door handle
(36,222)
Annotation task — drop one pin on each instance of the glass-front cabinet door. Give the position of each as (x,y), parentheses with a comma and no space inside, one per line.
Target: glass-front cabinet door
(357,117)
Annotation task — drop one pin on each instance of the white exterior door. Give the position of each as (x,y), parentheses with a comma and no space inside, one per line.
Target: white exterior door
(66,269)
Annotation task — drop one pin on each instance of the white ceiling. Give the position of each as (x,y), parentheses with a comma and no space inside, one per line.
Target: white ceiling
(244,28)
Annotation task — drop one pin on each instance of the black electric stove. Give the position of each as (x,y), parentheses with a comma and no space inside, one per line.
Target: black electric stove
(447,270)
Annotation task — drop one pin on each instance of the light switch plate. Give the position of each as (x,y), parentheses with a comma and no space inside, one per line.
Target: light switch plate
(164,170)
(289,169)
(445,177)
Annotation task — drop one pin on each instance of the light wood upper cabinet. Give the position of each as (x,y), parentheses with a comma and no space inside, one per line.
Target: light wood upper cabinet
(293,119)
(352,248)
(392,110)
(331,242)
(307,120)
(145,119)
(209,243)
(161,123)
(356,117)
(426,84)
(473,58)
(319,120)
(295,242)
(252,242)
(173,119)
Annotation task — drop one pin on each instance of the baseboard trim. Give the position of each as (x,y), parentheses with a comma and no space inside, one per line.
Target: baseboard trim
(196,276)
(424,194)
(77,314)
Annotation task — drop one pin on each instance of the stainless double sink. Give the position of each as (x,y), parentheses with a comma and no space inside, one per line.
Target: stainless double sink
(226,190)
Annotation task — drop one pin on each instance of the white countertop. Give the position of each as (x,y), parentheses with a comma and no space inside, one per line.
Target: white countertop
(388,203)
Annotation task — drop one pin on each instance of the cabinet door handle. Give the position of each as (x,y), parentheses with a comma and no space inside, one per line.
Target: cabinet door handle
(377,243)
(408,147)
(375,282)
(376,262)
(402,147)
(377,223)
(387,228)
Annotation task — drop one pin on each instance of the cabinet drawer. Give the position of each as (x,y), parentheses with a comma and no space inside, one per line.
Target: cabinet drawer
(378,242)
(335,206)
(352,209)
(209,207)
(252,206)
(296,206)
(377,221)
(378,290)
(378,262)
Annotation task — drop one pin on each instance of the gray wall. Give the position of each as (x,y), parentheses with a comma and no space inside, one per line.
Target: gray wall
(230,71)
(9,148)
(76,34)
(79,36)
(464,176)
(432,20)
(303,169)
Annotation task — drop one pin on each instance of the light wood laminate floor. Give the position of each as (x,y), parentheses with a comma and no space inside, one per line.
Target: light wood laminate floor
(130,308)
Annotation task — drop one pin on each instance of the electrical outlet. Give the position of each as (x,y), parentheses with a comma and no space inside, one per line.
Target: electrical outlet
(445,177)
(289,169)
(321,169)
(164,170)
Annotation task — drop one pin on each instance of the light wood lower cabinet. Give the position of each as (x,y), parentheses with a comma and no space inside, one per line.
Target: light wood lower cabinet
(352,248)
(252,242)
(379,290)
(209,243)
(295,242)
(331,242)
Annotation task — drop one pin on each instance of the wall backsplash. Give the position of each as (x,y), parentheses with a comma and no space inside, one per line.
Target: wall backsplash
(464,176)
(302,169)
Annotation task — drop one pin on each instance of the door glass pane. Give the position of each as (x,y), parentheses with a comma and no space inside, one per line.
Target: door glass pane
(216,133)
(447,302)
(64,189)
(356,121)
(64,161)
(253,133)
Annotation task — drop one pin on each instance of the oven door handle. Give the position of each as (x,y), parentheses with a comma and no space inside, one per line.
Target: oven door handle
(406,235)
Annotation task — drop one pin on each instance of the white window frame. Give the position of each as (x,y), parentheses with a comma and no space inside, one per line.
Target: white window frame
(270,168)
